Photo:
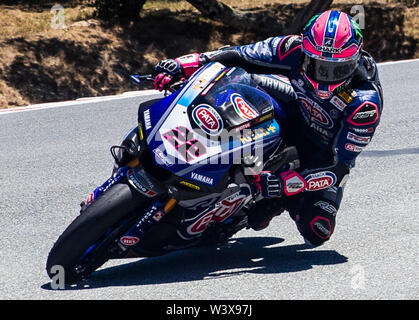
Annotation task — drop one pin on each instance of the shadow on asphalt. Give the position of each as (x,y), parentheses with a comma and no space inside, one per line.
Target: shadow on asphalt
(240,256)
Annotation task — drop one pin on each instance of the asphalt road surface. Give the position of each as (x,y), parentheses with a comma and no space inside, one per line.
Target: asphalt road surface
(51,159)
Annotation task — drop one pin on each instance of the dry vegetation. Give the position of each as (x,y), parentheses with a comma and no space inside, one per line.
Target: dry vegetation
(87,58)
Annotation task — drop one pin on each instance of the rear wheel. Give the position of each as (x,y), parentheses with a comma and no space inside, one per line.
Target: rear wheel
(92,232)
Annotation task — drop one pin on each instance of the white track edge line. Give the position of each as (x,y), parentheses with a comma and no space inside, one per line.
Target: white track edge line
(79,101)
(86,100)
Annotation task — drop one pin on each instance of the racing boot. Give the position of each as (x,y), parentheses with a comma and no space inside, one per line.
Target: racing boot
(261,214)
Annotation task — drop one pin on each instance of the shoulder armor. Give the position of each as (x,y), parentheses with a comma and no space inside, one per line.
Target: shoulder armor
(287,45)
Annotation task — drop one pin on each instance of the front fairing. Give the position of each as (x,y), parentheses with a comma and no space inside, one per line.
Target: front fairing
(218,118)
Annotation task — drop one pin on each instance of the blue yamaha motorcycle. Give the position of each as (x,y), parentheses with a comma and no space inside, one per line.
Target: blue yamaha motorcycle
(183,177)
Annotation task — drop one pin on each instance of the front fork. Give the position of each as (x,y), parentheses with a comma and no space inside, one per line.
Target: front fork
(155,211)
(153,214)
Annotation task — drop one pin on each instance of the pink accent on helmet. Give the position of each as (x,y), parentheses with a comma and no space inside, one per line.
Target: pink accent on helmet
(347,53)
(343,32)
(310,48)
(313,83)
(319,28)
(334,86)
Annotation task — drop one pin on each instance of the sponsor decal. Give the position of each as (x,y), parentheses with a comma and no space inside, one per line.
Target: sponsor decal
(355,138)
(321,229)
(207,75)
(345,96)
(293,183)
(147,120)
(365,114)
(281,78)
(218,212)
(202,178)
(290,41)
(339,104)
(158,215)
(315,112)
(323,94)
(320,180)
(321,130)
(90,199)
(190,185)
(328,49)
(287,45)
(242,108)
(187,59)
(222,211)
(326,207)
(207,119)
(353,148)
(329,41)
(258,133)
(201,224)
(129,241)
(362,130)
(229,206)
(140,184)
(298,84)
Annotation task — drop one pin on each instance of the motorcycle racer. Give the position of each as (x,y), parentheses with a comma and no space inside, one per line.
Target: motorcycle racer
(333,100)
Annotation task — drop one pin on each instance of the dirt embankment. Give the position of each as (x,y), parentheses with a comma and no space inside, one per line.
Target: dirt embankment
(90,59)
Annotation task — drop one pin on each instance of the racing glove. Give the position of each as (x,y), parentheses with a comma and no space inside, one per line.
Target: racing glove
(271,185)
(287,183)
(170,71)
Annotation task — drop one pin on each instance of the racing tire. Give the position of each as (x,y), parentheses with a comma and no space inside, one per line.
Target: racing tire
(93,223)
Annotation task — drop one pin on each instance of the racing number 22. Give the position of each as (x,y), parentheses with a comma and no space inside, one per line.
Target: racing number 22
(184,142)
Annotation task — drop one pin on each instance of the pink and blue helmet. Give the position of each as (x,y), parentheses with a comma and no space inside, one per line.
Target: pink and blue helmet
(332,43)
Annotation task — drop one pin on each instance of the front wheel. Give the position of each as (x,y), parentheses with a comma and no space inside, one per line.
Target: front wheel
(90,229)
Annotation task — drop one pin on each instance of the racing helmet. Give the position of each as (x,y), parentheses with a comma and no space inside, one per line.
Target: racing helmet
(332,43)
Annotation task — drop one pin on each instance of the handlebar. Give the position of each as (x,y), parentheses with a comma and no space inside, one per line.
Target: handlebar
(136,79)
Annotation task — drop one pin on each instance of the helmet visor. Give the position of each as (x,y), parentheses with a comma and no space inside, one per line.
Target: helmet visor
(328,72)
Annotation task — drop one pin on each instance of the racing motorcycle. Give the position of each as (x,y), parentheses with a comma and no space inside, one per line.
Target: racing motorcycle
(183,177)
